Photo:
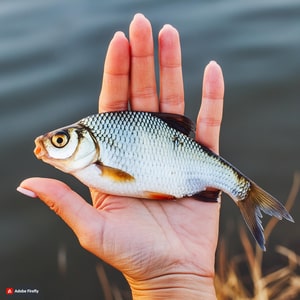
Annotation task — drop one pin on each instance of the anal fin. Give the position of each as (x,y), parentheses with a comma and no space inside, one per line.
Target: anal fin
(207,196)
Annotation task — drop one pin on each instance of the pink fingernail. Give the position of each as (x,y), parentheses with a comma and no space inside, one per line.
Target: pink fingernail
(120,34)
(26,192)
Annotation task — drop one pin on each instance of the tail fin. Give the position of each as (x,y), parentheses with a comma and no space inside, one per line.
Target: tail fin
(251,207)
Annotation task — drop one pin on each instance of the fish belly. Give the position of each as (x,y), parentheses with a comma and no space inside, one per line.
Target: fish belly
(159,168)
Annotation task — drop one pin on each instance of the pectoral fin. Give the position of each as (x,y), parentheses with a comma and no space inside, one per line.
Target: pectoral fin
(115,174)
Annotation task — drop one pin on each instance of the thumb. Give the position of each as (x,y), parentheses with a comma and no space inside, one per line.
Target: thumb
(80,216)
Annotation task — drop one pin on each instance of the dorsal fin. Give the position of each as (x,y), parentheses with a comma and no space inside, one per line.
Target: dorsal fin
(178,122)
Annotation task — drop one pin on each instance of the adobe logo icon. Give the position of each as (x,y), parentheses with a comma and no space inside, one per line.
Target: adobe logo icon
(9,291)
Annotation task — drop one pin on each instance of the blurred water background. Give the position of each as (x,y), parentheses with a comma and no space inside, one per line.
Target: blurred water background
(51,61)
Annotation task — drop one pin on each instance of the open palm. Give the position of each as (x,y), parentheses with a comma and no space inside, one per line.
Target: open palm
(141,237)
(146,239)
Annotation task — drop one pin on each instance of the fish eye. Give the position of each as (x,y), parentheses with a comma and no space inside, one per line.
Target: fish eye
(60,139)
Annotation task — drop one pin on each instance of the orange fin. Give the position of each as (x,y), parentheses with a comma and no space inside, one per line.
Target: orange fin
(158,196)
(115,174)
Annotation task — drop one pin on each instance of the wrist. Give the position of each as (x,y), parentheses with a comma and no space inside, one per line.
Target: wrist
(174,286)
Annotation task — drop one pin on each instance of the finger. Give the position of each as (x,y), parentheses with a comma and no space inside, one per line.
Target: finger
(81,217)
(114,91)
(171,81)
(211,110)
(143,95)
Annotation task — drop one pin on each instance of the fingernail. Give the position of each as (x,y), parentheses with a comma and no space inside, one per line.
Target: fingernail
(213,62)
(168,26)
(169,29)
(26,192)
(119,33)
(139,15)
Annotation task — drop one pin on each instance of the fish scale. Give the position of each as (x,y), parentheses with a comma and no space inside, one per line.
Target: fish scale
(151,155)
(156,155)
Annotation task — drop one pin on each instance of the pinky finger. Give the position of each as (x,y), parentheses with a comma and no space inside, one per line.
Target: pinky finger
(211,110)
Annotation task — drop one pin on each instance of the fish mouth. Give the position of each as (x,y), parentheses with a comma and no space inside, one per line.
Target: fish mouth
(39,150)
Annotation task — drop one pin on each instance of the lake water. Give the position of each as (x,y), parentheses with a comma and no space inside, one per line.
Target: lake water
(51,61)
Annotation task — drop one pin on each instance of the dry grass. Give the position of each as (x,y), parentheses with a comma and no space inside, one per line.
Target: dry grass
(281,284)
(110,292)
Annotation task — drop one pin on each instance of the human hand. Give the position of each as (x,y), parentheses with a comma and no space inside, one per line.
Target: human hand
(163,248)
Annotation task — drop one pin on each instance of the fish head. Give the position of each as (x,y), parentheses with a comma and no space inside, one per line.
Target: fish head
(69,149)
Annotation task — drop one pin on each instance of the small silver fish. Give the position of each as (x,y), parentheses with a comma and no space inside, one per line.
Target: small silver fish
(151,155)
